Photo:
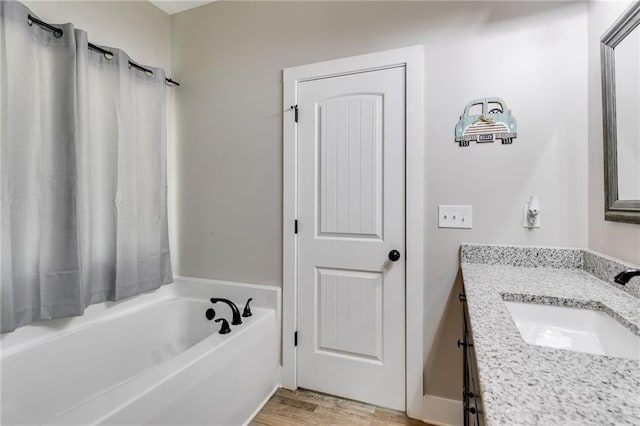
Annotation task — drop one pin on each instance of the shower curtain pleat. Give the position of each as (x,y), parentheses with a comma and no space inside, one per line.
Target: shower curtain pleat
(83,165)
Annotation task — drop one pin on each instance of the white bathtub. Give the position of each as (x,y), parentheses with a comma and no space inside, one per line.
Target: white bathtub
(151,359)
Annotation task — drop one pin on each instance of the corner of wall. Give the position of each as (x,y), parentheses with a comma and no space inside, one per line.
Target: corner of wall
(442,411)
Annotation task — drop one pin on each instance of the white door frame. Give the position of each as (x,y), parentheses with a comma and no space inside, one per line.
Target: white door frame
(412,59)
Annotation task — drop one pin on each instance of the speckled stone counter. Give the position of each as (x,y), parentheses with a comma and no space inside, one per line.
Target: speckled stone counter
(523,384)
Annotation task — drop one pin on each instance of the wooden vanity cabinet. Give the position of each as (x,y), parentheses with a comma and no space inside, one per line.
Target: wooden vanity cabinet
(471,403)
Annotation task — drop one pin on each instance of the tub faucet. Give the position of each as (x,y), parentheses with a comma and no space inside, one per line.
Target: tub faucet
(237,320)
(624,276)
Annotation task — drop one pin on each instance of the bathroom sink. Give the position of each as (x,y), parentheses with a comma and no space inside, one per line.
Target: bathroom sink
(574,329)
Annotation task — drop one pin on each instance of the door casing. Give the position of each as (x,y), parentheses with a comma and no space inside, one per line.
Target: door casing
(412,59)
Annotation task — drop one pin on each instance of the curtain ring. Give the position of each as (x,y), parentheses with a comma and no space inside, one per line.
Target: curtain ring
(57,32)
(148,73)
(109,56)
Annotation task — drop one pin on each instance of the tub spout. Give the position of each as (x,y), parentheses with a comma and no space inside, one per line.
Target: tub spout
(237,320)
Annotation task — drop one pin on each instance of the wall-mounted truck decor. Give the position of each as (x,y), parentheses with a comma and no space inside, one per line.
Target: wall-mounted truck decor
(486,120)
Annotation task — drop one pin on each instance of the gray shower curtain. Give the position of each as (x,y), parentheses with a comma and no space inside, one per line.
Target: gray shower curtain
(83,167)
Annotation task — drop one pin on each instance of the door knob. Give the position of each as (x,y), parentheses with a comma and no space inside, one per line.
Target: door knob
(394,255)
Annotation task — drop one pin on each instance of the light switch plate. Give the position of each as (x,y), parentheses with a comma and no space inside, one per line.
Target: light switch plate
(455,217)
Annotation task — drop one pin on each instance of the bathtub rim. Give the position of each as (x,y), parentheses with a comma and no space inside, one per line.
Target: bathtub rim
(40,332)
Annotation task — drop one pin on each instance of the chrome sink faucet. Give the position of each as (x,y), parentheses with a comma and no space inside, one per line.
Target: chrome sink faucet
(624,276)
(237,320)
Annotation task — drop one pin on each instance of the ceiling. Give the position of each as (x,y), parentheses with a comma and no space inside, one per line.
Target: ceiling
(177,6)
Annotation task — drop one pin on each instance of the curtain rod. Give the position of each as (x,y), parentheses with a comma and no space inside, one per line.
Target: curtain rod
(57,32)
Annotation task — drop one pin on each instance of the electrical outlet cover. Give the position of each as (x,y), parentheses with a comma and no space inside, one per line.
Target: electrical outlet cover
(525,218)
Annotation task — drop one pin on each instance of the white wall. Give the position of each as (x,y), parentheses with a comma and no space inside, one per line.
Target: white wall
(621,240)
(230,56)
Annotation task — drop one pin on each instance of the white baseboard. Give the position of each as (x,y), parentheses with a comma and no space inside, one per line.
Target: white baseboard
(442,411)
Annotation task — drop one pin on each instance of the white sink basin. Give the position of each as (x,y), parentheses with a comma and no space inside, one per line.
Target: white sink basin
(574,329)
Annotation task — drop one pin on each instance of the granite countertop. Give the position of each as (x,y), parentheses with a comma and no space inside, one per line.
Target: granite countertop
(524,384)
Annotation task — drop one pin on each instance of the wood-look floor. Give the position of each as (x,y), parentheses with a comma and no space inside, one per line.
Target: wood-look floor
(303,407)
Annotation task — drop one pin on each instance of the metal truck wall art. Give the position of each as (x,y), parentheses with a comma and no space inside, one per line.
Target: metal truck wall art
(486,120)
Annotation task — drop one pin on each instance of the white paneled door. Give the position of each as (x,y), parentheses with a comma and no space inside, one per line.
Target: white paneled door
(351,236)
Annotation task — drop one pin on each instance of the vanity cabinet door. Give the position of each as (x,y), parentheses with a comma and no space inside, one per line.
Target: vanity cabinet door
(472,405)
(475,405)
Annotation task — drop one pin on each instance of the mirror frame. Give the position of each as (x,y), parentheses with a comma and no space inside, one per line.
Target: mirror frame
(615,209)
